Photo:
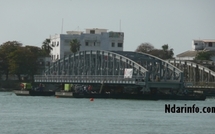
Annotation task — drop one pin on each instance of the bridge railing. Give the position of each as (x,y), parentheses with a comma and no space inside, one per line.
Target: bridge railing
(62,78)
(200,84)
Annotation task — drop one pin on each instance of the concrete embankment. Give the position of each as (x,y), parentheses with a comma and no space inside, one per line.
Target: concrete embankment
(208,91)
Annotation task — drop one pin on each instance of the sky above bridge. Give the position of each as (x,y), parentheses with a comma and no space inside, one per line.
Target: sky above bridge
(159,22)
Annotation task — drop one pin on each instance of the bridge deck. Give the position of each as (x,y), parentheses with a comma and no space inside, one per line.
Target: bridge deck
(88,79)
(120,80)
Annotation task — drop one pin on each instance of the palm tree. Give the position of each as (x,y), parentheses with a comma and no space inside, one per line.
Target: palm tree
(46,46)
(167,53)
(165,47)
(74,45)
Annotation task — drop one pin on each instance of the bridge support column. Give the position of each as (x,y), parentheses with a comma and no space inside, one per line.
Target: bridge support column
(62,86)
(100,91)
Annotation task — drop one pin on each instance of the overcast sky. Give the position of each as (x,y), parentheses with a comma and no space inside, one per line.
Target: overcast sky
(159,22)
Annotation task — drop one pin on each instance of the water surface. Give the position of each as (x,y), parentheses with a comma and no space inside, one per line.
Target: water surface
(51,115)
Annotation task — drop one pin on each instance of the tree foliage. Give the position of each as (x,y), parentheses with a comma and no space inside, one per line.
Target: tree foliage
(24,61)
(165,47)
(46,47)
(164,53)
(145,48)
(18,60)
(75,46)
(167,53)
(5,50)
(206,55)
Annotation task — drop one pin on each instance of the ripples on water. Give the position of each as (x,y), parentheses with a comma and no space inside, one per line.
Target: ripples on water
(51,115)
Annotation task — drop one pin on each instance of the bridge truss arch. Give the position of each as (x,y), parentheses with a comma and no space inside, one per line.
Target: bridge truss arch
(95,63)
(194,72)
(153,71)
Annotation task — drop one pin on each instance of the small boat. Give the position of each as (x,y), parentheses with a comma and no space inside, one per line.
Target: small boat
(33,93)
(26,90)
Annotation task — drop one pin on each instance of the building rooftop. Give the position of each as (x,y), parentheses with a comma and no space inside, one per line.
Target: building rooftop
(188,54)
(191,53)
(206,40)
(96,29)
(74,32)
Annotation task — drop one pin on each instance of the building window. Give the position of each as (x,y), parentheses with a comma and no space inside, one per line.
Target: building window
(210,44)
(113,44)
(196,44)
(94,43)
(66,41)
(92,31)
(119,44)
(86,43)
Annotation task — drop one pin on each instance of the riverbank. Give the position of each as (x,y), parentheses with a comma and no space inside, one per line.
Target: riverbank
(6,89)
(9,85)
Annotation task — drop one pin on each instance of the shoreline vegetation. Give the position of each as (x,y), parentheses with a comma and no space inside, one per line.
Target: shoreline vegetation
(9,85)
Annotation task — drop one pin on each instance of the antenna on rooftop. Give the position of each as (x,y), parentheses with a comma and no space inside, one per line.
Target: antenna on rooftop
(120,25)
(62,26)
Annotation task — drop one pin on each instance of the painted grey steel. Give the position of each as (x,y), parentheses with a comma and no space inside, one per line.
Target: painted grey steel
(157,68)
(148,70)
(87,79)
(195,73)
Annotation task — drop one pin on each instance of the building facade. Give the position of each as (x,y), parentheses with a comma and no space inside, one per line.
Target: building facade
(203,45)
(198,46)
(91,39)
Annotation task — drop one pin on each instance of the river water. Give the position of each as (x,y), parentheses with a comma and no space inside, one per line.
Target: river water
(51,115)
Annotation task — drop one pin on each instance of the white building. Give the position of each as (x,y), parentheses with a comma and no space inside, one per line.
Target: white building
(91,39)
(198,46)
(203,45)
(187,55)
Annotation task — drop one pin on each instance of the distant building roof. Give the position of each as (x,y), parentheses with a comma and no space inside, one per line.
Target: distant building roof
(188,54)
(206,40)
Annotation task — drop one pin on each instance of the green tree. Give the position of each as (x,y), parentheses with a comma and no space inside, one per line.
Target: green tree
(46,46)
(36,50)
(145,48)
(75,46)
(165,47)
(164,53)
(167,53)
(5,50)
(205,55)
(23,61)
(1,66)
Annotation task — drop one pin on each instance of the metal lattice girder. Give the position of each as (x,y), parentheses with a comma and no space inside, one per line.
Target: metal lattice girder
(148,70)
(157,68)
(194,72)
(95,63)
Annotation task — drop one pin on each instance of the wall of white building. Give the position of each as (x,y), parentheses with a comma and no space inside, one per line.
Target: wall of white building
(203,44)
(184,58)
(93,39)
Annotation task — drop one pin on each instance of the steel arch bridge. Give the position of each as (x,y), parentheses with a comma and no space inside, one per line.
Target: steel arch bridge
(195,73)
(108,67)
